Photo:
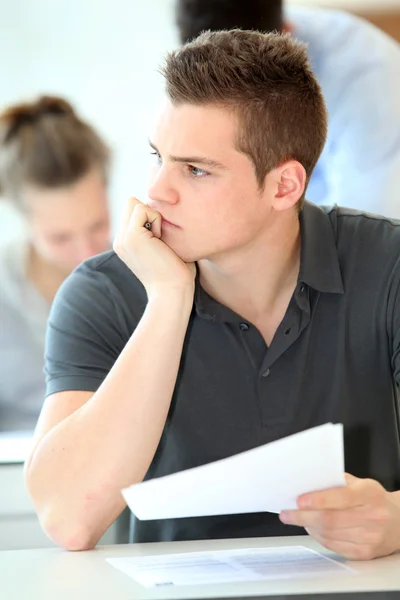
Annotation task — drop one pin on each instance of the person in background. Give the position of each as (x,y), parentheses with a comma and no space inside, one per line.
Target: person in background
(358,68)
(54,168)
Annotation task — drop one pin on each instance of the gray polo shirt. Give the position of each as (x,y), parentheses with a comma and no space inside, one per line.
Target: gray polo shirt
(334,358)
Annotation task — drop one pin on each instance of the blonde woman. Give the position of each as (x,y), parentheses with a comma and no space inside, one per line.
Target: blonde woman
(54,168)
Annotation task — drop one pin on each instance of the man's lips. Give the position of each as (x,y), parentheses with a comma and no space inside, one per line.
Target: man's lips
(168,223)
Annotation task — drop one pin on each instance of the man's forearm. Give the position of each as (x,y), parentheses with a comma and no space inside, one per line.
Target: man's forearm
(79,467)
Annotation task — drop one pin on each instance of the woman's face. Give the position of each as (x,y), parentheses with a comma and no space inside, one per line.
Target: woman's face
(69,224)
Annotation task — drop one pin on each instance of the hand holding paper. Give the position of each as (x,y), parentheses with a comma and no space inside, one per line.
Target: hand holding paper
(360,521)
(265,479)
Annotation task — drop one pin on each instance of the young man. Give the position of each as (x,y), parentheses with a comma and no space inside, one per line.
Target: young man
(357,66)
(289,320)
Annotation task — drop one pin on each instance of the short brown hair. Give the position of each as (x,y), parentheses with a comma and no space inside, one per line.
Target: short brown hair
(267,80)
(46,144)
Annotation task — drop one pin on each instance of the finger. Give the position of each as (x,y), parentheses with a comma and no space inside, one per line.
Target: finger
(350,478)
(124,224)
(334,498)
(330,520)
(141,215)
(357,492)
(127,213)
(359,535)
(350,550)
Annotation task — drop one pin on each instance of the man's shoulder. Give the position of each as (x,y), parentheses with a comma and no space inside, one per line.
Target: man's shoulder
(320,19)
(354,218)
(105,282)
(106,262)
(334,35)
(109,271)
(315,22)
(366,235)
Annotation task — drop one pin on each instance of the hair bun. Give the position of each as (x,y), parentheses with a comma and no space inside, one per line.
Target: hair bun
(30,112)
(52,105)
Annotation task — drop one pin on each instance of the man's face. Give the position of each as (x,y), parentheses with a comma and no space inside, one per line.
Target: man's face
(204,186)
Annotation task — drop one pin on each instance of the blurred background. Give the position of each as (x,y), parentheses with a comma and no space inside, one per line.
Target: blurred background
(101,56)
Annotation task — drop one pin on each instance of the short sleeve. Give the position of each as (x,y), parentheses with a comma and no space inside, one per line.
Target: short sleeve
(86,332)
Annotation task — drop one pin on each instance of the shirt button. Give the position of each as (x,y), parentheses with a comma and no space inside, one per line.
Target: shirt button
(302,288)
(244,327)
(266,373)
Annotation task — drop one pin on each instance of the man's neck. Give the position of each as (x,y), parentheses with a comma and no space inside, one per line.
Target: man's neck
(258,281)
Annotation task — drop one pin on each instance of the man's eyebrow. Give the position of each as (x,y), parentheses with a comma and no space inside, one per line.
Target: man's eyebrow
(203,160)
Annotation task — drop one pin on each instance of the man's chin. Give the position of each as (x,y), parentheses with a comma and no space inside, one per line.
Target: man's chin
(192,255)
(188,256)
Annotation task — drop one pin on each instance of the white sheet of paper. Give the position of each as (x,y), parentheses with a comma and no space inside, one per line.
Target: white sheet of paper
(228,566)
(268,478)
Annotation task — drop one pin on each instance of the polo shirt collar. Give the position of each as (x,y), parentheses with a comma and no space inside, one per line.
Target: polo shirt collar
(319,261)
(319,264)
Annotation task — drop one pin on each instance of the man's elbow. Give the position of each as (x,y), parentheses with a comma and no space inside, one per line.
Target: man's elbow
(67,535)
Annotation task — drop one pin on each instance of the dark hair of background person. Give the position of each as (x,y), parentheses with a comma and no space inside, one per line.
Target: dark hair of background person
(267,81)
(45,144)
(195,16)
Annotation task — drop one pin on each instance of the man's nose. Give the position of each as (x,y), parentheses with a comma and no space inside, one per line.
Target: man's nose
(162,189)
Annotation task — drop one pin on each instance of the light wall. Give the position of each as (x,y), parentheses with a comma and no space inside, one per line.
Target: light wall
(102,55)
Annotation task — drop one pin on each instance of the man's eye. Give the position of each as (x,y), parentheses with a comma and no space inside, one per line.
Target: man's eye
(197,172)
(157,156)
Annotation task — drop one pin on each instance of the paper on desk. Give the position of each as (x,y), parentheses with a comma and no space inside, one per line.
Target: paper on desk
(228,566)
(268,478)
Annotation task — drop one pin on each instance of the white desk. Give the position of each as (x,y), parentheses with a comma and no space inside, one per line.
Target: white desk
(55,574)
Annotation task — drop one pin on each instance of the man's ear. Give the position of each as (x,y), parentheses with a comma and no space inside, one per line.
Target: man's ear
(289,183)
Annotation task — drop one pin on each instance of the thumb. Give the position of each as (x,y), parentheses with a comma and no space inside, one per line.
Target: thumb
(350,478)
